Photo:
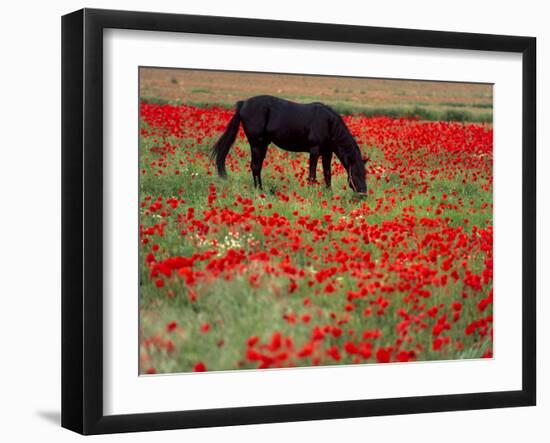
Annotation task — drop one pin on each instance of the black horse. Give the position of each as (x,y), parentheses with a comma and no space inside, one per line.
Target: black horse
(312,127)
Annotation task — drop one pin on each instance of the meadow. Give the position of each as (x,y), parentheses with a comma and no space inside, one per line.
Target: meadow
(233,277)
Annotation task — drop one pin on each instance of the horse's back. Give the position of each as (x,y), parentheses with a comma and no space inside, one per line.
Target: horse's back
(290,125)
(279,106)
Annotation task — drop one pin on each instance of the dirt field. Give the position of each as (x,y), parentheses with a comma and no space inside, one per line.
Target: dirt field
(438,100)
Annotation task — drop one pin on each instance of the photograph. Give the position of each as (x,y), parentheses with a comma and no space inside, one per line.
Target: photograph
(243,222)
(292,221)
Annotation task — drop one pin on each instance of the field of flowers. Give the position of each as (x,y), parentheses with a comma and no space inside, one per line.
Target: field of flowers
(232,277)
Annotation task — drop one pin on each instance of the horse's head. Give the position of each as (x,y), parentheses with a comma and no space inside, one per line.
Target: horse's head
(357,176)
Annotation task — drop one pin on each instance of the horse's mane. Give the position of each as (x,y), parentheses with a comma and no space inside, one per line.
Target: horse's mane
(346,149)
(340,130)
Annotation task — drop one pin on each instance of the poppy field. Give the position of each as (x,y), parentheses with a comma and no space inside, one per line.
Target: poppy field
(295,274)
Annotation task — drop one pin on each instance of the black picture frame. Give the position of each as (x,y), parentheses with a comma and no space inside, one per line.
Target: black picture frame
(82,218)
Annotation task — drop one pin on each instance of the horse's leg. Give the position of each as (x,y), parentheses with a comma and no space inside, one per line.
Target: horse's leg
(327,159)
(258,154)
(313,160)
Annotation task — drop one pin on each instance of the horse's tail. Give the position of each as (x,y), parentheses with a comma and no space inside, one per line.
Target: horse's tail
(223,145)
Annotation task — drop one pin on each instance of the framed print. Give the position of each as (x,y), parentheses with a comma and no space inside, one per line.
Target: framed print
(269,221)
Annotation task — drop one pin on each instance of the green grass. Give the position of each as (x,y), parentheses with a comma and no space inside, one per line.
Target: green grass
(487,105)
(200,91)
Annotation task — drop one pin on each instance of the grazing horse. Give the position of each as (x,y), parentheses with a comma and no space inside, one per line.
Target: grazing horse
(312,127)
